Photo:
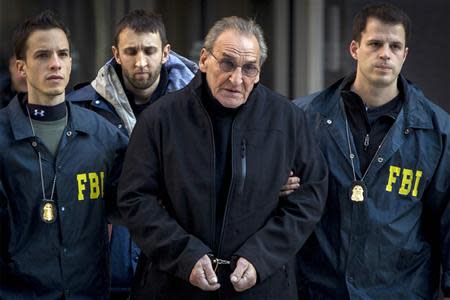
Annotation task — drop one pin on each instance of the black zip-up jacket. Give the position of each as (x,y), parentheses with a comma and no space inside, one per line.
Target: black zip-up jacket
(166,194)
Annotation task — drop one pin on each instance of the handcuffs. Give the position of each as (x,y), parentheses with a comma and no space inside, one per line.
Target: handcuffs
(218,261)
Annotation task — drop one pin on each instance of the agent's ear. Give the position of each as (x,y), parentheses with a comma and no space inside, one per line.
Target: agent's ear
(354,46)
(21,67)
(406,53)
(115,52)
(165,53)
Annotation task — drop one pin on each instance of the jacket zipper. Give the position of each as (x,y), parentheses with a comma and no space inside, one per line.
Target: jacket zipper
(366,141)
(375,155)
(227,203)
(219,247)
(213,206)
(243,166)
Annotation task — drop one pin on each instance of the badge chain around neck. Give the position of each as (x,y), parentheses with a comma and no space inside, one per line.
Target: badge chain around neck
(352,155)
(40,159)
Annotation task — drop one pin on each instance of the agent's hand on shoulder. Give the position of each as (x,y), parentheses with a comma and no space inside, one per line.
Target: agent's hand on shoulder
(291,185)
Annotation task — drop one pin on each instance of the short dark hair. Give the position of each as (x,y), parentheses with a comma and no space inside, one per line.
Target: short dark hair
(385,12)
(43,21)
(141,21)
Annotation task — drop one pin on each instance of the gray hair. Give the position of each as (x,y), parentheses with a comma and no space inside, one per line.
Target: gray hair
(248,27)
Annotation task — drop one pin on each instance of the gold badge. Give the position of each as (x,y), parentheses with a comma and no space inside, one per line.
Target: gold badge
(48,211)
(357,191)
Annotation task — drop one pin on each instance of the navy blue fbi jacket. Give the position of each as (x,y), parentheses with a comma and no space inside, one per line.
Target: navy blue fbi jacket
(166,194)
(70,257)
(394,243)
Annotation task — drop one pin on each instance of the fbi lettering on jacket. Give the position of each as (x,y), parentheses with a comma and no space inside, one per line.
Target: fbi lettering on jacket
(90,185)
(404,181)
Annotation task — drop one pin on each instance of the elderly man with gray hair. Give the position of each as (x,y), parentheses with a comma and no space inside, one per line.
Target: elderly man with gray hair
(199,189)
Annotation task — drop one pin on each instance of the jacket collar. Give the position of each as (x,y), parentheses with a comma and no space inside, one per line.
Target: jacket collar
(77,119)
(20,124)
(416,114)
(329,104)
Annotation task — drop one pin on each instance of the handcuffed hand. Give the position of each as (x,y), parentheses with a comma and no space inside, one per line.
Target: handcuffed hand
(291,185)
(203,275)
(244,276)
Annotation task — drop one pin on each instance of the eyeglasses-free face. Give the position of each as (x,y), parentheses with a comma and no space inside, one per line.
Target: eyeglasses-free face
(46,66)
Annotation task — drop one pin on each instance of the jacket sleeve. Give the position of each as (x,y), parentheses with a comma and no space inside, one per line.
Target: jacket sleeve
(153,229)
(120,143)
(438,196)
(283,235)
(4,229)
(445,233)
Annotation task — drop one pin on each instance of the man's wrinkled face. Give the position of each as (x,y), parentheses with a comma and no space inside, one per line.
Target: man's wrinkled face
(380,54)
(230,67)
(47,63)
(141,56)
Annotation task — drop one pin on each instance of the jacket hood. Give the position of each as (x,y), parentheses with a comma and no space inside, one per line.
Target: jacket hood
(108,85)
(180,72)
